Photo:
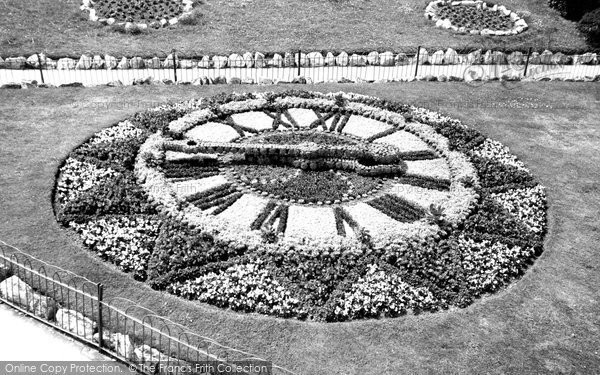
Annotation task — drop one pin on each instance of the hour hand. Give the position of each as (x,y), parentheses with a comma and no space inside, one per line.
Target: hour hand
(367,159)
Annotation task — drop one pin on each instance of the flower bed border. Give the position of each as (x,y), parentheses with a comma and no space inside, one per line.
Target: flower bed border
(88,6)
(519,24)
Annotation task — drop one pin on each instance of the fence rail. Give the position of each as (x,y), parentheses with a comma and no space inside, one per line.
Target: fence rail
(119,327)
(355,68)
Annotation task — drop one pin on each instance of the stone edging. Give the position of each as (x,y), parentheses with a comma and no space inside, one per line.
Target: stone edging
(312,59)
(87,5)
(519,23)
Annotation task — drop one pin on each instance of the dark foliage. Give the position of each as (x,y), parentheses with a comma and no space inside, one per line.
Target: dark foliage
(116,155)
(589,25)
(179,250)
(574,9)
(496,175)
(119,195)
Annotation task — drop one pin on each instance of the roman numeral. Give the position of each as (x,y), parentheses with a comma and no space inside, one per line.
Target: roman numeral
(424,182)
(397,208)
(278,120)
(342,123)
(220,197)
(342,216)
(320,121)
(269,214)
(188,170)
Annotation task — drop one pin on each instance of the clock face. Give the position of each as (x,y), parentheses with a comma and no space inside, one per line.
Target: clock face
(309,171)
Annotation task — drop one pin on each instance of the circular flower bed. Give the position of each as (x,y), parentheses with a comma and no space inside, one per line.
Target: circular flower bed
(317,206)
(475,17)
(143,13)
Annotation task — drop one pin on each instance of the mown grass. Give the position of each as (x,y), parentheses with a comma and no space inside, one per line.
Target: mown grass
(547,322)
(59,28)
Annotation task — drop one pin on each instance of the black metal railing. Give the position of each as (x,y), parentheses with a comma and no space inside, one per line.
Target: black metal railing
(119,327)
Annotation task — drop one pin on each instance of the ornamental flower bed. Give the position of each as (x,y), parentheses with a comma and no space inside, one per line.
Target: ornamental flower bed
(325,207)
(475,17)
(141,13)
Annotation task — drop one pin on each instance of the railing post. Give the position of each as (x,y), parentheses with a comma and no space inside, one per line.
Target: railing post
(527,62)
(174,64)
(299,61)
(100,323)
(40,67)
(418,57)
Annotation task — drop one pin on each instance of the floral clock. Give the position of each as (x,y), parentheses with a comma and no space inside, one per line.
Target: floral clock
(316,206)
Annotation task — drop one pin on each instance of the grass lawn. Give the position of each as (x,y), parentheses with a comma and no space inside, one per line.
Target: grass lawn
(59,28)
(547,322)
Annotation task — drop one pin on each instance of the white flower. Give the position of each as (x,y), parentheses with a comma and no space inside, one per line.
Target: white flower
(240,287)
(497,151)
(76,177)
(127,243)
(379,293)
(124,130)
(528,205)
(490,264)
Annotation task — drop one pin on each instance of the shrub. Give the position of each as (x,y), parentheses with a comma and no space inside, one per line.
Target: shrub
(590,27)
(573,9)
(560,5)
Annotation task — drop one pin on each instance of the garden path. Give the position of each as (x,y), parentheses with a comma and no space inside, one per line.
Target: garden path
(26,339)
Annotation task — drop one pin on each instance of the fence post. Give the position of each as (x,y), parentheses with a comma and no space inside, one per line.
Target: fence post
(100,324)
(418,57)
(40,67)
(174,64)
(527,62)
(299,61)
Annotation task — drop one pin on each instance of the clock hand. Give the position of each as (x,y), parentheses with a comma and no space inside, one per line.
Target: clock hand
(376,153)
(366,159)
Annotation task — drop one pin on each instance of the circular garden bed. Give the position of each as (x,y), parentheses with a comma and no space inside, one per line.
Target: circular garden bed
(475,17)
(317,206)
(144,13)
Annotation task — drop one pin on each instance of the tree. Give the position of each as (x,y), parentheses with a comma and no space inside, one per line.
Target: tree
(574,9)
(590,27)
